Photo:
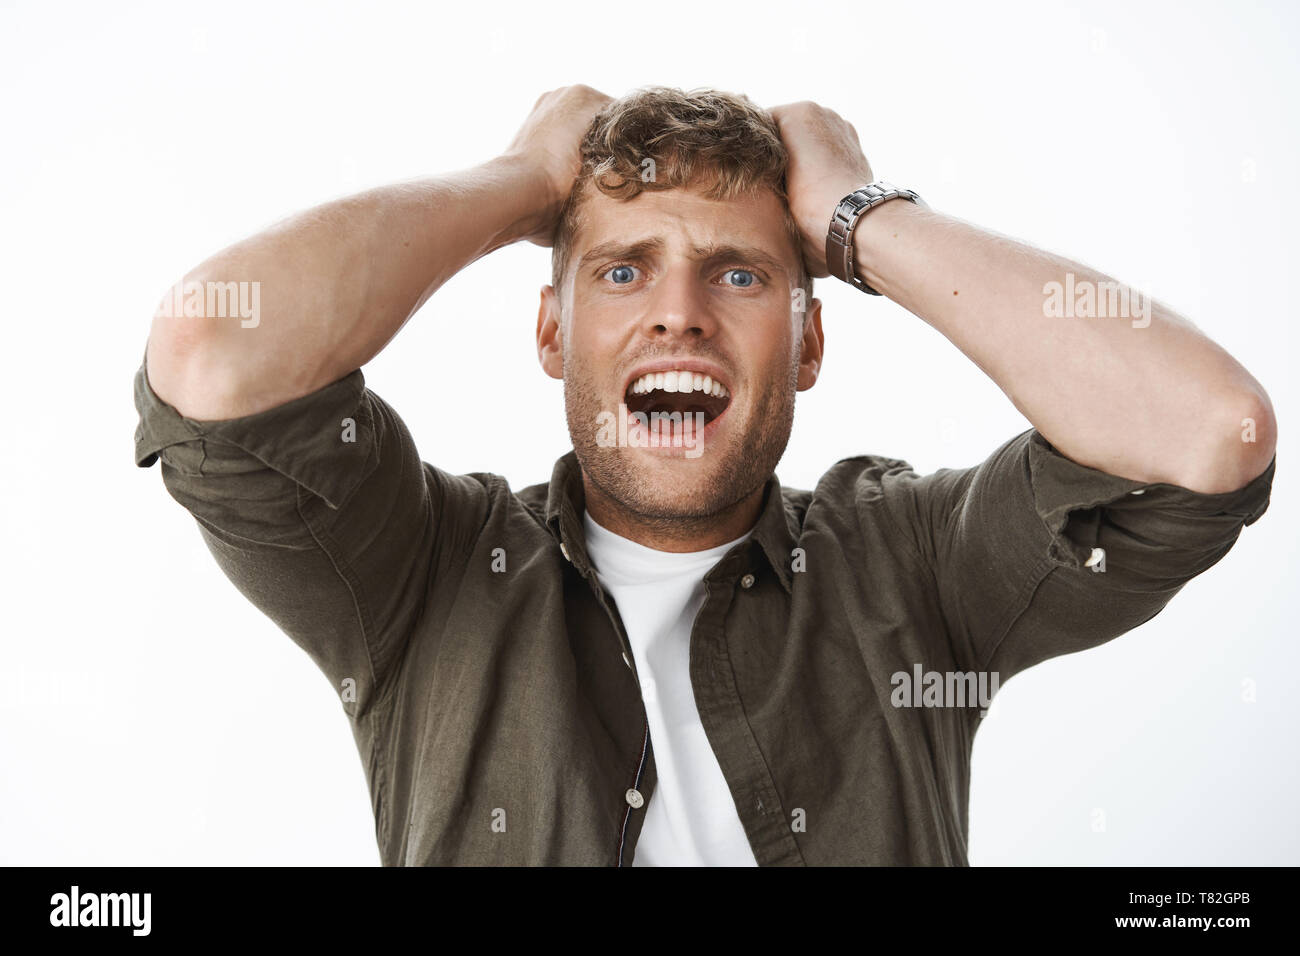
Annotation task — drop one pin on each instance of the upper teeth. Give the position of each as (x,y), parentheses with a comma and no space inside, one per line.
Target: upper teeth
(679,380)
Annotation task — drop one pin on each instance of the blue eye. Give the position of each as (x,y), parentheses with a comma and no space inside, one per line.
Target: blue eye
(747,278)
(621,275)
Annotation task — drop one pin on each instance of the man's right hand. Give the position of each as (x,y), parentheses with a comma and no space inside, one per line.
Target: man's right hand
(548,143)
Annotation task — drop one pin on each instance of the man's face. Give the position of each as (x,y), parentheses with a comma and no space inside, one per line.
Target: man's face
(674,282)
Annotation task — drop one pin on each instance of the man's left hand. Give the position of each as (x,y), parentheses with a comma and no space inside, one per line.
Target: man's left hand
(826,164)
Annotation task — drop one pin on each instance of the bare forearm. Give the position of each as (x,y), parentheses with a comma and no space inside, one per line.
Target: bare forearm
(1143,395)
(335,285)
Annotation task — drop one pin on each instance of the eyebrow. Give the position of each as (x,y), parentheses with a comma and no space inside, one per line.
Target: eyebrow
(621,249)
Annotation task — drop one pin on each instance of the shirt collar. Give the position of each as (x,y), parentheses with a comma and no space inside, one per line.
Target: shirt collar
(774,535)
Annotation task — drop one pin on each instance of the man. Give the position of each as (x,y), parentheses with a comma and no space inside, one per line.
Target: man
(662,656)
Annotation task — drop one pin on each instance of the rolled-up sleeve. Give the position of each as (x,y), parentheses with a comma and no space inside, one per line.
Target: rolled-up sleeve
(1034,555)
(319,511)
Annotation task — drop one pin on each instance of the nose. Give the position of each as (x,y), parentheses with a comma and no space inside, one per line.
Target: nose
(679,306)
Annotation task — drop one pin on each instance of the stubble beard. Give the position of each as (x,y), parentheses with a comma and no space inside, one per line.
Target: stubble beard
(679,496)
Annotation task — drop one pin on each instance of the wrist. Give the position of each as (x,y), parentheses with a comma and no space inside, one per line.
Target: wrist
(532,200)
(875,238)
(846,253)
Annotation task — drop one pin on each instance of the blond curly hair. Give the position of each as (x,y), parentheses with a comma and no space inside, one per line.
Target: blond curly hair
(720,142)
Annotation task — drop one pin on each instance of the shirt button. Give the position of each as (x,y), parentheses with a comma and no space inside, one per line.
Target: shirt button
(634,798)
(565,551)
(626,661)
(1140,491)
(747,581)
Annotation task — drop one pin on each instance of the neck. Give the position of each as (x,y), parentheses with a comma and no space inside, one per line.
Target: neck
(673,533)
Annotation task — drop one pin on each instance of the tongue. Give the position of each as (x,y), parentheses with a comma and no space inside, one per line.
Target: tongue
(683,406)
(660,427)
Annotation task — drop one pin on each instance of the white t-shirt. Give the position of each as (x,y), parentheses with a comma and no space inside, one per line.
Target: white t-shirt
(691,819)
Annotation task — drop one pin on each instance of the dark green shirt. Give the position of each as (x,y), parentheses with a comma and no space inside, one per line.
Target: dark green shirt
(489,682)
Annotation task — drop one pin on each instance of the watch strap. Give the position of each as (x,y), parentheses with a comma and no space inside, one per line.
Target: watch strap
(839,238)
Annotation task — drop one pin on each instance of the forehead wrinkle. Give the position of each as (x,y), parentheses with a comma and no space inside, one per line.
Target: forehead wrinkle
(658,214)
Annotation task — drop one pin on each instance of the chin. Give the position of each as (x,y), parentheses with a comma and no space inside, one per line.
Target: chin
(671,482)
(670,450)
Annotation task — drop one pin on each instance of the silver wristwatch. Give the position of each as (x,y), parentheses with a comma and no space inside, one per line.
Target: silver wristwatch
(839,240)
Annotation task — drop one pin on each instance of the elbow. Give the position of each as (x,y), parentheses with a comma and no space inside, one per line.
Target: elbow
(189,367)
(1240,439)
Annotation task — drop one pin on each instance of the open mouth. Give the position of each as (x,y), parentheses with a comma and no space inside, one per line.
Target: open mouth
(677,395)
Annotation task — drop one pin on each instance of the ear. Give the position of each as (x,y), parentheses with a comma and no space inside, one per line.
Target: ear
(814,343)
(550,336)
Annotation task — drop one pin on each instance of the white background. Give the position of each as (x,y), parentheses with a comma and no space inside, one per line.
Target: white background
(149,714)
